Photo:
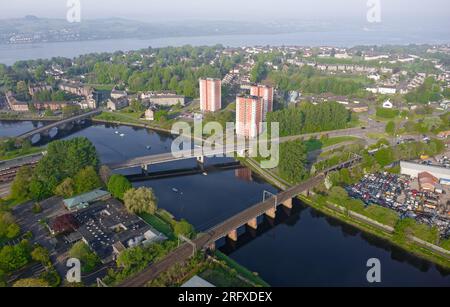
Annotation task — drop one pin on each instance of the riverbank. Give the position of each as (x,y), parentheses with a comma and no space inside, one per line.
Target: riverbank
(412,245)
(130,124)
(28,117)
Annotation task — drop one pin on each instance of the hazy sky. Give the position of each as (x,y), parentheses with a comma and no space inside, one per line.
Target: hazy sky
(148,10)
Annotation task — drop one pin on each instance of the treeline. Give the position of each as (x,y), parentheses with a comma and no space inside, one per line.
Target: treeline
(309,118)
(69,165)
(307,80)
(293,159)
(46,95)
(407,151)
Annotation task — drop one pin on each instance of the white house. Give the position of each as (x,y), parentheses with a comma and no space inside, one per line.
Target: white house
(150,114)
(388,104)
(387,90)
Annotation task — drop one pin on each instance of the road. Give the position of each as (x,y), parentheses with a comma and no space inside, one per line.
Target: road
(373,127)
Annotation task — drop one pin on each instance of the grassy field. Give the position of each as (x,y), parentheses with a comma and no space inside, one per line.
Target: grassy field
(220,277)
(159,224)
(382,215)
(315,144)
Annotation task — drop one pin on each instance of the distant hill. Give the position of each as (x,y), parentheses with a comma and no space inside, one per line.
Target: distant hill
(33,29)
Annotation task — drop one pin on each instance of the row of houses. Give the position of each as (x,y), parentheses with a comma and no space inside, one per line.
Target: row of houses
(25,106)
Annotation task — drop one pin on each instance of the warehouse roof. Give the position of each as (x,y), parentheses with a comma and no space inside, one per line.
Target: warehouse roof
(86,198)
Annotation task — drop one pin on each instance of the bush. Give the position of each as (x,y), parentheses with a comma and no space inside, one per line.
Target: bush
(31,283)
(87,180)
(390,128)
(9,229)
(184,228)
(118,185)
(88,259)
(14,257)
(141,200)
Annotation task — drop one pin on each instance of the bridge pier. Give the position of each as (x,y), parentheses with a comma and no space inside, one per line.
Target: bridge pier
(201,162)
(288,203)
(145,169)
(271,213)
(212,246)
(233,235)
(253,223)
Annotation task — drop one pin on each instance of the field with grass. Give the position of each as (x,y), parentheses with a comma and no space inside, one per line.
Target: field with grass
(158,223)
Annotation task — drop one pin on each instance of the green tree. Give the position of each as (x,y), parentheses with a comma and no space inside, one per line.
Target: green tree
(338,194)
(161,115)
(141,200)
(9,229)
(137,106)
(71,110)
(87,180)
(64,158)
(88,259)
(131,258)
(384,156)
(118,185)
(66,189)
(390,128)
(40,254)
(22,91)
(292,161)
(2,279)
(184,228)
(258,72)
(31,283)
(20,188)
(14,257)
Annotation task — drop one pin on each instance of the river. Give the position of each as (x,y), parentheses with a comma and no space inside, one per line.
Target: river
(9,54)
(300,248)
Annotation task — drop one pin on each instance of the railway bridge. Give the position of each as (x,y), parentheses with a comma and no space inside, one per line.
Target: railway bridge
(229,228)
(69,120)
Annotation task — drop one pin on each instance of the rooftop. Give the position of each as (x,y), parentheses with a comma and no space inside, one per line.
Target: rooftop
(107,225)
(197,282)
(74,202)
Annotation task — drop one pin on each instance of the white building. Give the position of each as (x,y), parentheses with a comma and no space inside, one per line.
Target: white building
(414,169)
(150,114)
(115,94)
(388,104)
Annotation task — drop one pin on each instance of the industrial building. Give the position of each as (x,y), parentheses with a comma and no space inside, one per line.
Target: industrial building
(84,200)
(414,169)
(104,225)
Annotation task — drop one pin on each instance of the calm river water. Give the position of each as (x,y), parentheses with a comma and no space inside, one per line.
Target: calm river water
(300,248)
